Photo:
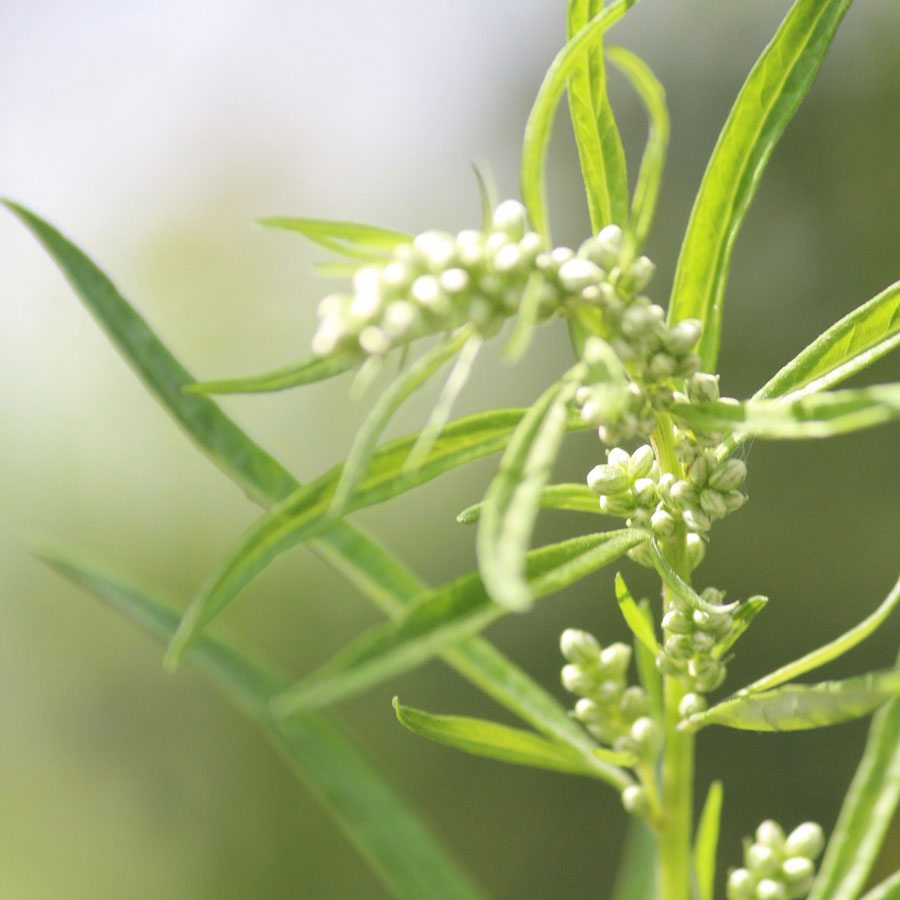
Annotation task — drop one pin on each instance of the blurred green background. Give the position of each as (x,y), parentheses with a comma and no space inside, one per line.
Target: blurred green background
(154,134)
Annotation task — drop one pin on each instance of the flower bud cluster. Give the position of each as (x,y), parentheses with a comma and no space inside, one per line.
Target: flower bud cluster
(692,645)
(777,867)
(616,714)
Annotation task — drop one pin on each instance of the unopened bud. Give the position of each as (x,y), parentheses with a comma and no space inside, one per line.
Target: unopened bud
(797,870)
(683,494)
(637,275)
(728,475)
(696,519)
(770,834)
(713,503)
(634,703)
(696,550)
(577,274)
(614,659)
(662,366)
(762,860)
(607,479)
(682,337)
(770,889)
(691,704)
(576,680)
(607,246)
(647,736)
(805,840)
(741,885)
(641,461)
(645,493)
(510,217)
(579,647)
(699,471)
(662,523)
(635,800)
(703,388)
(677,622)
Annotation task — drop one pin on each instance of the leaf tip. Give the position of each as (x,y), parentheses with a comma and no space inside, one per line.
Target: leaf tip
(469,515)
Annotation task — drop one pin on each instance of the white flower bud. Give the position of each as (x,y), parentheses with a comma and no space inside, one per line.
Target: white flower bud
(332,305)
(607,480)
(324,342)
(576,681)
(681,337)
(662,523)
(395,277)
(647,736)
(454,281)
(797,870)
(762,860)
(696,519)
(728,475)
(366,304)
(805,840)
(712,503)
(683,494)
(662,366)
(617,505)
(510,217)
(634,703)
(579,646)
(677,622)
(703,388)
(691,704)
(619,458)
(470,247)
(438,249)
(635,800)
(374,341)
(577,274)
(696,550)
(560,255)
(399,317)
(531,244)
(641,461)
(607,246)
(741,885)
(734,500)
(769,889)
(770,834)
(637,275)
(426,289)
(699,471)
(589,712)
(645,493)
(614,660)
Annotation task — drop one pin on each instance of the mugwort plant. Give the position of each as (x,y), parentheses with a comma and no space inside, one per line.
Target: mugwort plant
(644,378)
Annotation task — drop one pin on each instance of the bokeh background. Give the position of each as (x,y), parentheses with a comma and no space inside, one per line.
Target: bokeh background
(154,134)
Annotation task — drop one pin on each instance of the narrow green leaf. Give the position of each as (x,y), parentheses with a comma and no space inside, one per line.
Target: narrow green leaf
(600,150)
(405,384)
(866,813)
(707,841)
(889,889)
(832,650)
(633,616)
(307,371)
(512,500)
(745,613)
(646,189)
(540,121)
(812,416)
(365,242)
(797,707)
(573,497)
(526,319)
(335,268)
(645,660)
(493,740)
(393,840)
(487,194)
(679,586)
(444,615)
(766,103)
(850,345)
(636,878)
(306,512)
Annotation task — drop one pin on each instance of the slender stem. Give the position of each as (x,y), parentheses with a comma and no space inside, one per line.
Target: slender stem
(678,753)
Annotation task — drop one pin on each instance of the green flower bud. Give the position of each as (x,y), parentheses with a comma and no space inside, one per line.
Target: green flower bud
(728,475)
(640,518)
(770,834)
(707,673)
(702,641)
(608,479)
(662,366)
(665,484)
(662,523)
(699,471)
(684,495)
(577,681)
(681,338)
(634,703)
(642,555)
(641,461)
(635,800)
(667,665)
(374,341)
(712,503)
(703,388)
(619,505)
(645,493)
(679,647)
(696,519)
(762,860)
(734,500)
(696,550)
(805,840)
(577,274)
(619,458)
(579,647)
(677,622)
(769,889)
(508,258)
(741,885)
(589,712)
(686,449)
(797,870)
(610,692)
(647,736)
(607,246)
(511,218)
(637,275)
(691,704)
(614,660)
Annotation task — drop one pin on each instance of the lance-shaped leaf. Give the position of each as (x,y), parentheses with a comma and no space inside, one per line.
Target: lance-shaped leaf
(597,137)
(307,371)
(305,513)
(766,103)
(797,707)
(394,841)
(363,242)
(540,120)
(646,189)
(707,841)
(741,617)
(573,497)
(636,878)
(812,416)
(634,616)
(645,661)
(443,616)
(830,651)
(513,497)
(889,889)
(679,586)
(385,406)
(500,742)
(364,563)
(866,813)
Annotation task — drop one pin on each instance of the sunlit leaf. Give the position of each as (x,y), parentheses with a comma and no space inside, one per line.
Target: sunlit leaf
(307,371)
(364,242)
(766,103)
(574,497)
(889,889)
(633,616)
(496,741)
(796,707)
(812,416)
(646,189)
(597,136)
(306,512)
(512,500)
(741,617)
(830,651)
(540,121)
(394,841)
(707,841)
(444,615)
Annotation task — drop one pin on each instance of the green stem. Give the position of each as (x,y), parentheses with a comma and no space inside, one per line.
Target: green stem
(678,752)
